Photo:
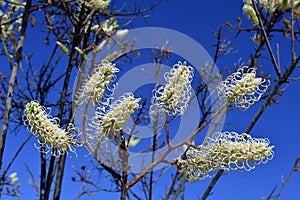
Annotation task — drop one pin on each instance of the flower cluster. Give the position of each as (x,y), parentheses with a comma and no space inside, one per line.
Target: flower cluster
(173,98)
(111,120)
(270,6)
(47,128)
(95,86)
(243,88)
(226,151)
(96,4)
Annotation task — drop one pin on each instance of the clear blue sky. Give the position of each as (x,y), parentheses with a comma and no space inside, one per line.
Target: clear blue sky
(280,123)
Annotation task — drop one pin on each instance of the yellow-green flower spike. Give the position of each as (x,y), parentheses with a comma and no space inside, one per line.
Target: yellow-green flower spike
(250,13)
(81,52)
(63,48)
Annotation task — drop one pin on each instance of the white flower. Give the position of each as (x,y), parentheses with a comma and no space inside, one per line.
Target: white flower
(121,33)
(95,27)
(269,6)
(173,98)
(99,4)
(13,177)
(95,86)
(110,121)
(243,88)
(47,129)
(284,4)
(2,3)
(226,151)
(256,38)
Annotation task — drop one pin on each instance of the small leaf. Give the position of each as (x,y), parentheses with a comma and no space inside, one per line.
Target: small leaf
(33,21)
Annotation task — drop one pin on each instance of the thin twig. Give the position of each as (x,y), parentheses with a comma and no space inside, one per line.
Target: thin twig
(212,184)
(167,132)
(14,158)
(293,32)
(283,185)
(33,181)
(277,68)
(13,77)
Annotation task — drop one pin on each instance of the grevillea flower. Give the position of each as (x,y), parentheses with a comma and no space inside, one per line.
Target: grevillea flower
(226,151)
(110,121)
(41,124)
(284,4)
(99,4)
(95,86)
(269,6)
(243,88)
(96,4)
(250,13)
(173,98)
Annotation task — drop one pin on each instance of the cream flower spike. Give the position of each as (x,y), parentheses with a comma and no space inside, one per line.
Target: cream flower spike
(47,128)
(173,98)
(226,151)
(109,122)
(95,86)
(243,88)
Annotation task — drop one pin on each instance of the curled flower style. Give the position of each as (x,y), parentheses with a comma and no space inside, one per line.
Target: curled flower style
(95,86)
(173,98)
(243,88)
(110,121)
(43,125)
(226,151)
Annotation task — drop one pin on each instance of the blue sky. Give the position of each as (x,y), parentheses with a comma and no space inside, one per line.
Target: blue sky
(280,122)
